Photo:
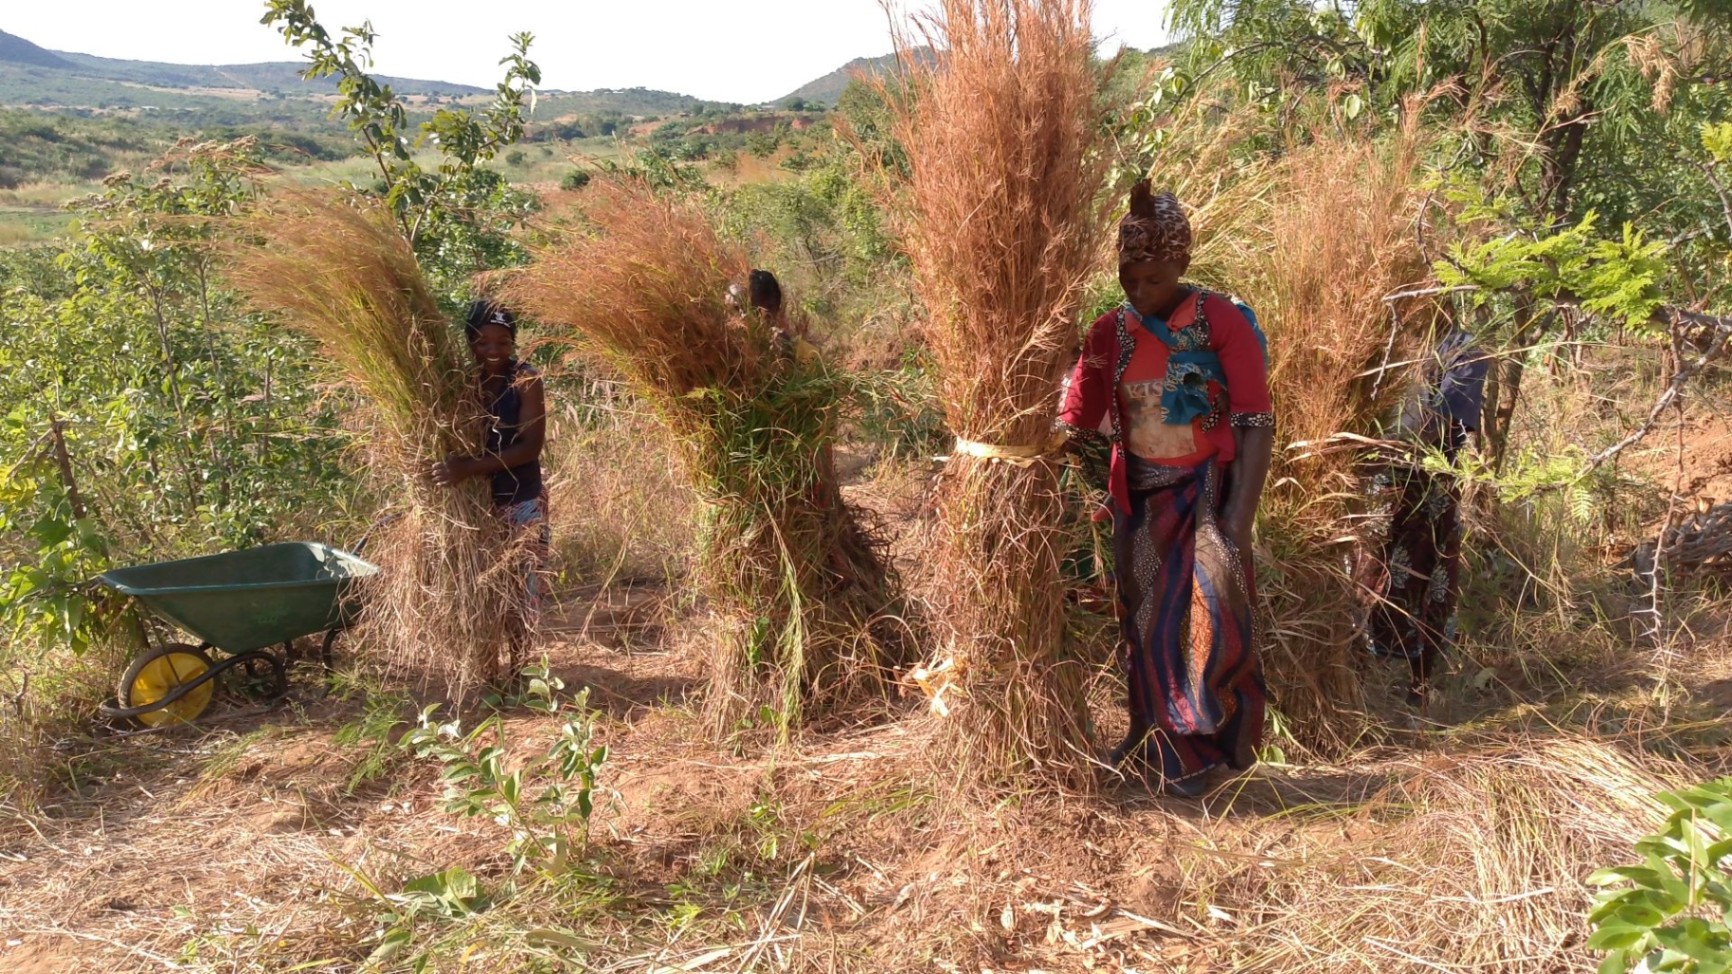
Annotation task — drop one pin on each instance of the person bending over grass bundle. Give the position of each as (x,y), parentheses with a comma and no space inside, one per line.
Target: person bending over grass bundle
(516,405)
(765,293)
(1176,377)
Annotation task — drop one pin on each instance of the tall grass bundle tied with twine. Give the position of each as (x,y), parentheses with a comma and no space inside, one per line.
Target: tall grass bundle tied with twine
(450,596)
(800,585)
(1314,241)
(1003,226)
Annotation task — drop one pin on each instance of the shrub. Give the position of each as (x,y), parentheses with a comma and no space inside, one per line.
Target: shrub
(1673,913)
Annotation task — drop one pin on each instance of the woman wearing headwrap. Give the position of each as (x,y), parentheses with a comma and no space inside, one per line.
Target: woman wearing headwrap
(516,405)
(1175,380)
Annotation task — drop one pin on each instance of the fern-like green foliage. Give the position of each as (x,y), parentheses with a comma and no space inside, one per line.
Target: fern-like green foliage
(1614,277)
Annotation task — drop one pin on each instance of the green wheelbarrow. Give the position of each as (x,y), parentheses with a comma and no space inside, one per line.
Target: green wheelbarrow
(241,604)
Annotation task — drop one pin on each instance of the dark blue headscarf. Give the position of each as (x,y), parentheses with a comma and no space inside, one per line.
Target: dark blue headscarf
(483,313)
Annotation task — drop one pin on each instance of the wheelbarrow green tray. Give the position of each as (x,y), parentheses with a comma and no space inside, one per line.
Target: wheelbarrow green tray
(241,601)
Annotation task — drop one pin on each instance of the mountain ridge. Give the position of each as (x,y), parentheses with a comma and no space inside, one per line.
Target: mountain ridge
(827,89)
(20,51)
(32,76)
(21,60)
(264,76)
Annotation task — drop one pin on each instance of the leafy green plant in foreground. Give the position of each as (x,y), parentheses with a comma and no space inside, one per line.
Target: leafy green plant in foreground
(1672,913)
(545,798)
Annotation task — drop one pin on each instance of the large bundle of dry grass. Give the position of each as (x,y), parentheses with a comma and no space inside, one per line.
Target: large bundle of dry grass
(449,602)
(1003,228)
(1314,241)
(801,586)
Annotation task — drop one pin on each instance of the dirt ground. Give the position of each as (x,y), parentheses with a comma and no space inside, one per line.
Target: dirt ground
(247,825)
(250,842)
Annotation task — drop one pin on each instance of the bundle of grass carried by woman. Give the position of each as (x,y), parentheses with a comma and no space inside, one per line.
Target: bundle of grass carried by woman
(798,584)
(1003,226)
(1314,239)
(448,607)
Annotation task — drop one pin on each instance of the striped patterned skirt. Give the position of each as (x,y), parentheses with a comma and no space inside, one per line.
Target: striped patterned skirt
(1186,621)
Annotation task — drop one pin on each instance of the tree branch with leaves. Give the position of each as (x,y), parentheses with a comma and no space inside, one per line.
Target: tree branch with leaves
(455,207)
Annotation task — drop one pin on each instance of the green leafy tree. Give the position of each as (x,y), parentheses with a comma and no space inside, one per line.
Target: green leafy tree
(1578,117)
(458,214)
(154,416)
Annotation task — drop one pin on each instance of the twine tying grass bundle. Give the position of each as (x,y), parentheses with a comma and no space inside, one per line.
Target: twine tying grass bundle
(802,587)
(449,601)
(1003,229)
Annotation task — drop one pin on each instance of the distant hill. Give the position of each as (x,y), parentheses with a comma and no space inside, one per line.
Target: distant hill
(283,77)
(17,50)
(625,101)
(827,89)
(33,75)
(273,92)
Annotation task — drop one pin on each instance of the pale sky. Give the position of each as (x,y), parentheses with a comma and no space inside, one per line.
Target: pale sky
(726,50)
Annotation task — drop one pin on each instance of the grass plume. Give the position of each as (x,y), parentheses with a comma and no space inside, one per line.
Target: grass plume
(1003,228)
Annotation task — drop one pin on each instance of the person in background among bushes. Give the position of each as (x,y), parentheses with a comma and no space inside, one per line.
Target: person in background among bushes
(516,405)
(1417,576)
(1177,377)
(765,294)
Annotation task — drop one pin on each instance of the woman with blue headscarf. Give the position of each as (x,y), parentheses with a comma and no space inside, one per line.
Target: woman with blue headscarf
(516,403)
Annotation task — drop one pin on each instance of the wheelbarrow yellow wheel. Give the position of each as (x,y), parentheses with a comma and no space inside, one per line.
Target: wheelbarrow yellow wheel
(157,673)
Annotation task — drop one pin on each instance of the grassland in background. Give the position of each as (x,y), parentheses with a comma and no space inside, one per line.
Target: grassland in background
(49,159)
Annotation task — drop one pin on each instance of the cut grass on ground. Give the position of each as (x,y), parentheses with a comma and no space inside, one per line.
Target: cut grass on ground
(261,846)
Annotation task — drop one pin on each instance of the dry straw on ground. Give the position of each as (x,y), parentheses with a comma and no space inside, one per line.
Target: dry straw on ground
(1314,241)
(1470,860)
(448,604)
(1003,227)
(800,585)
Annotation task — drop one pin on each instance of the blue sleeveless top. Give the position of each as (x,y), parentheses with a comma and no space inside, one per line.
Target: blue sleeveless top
(505,427)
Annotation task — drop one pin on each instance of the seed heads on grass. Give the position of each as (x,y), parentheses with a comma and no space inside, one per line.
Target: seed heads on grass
(1003,226)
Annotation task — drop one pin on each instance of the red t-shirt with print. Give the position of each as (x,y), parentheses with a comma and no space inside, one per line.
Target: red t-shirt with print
(1134,399)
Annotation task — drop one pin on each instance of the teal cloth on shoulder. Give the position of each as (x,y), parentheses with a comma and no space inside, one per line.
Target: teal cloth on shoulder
(1190,367)
(1256,329)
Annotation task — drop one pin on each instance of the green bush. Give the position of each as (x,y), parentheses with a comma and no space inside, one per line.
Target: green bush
(576,179)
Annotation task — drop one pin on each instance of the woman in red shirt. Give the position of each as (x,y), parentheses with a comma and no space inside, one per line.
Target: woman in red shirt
(1176,378)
